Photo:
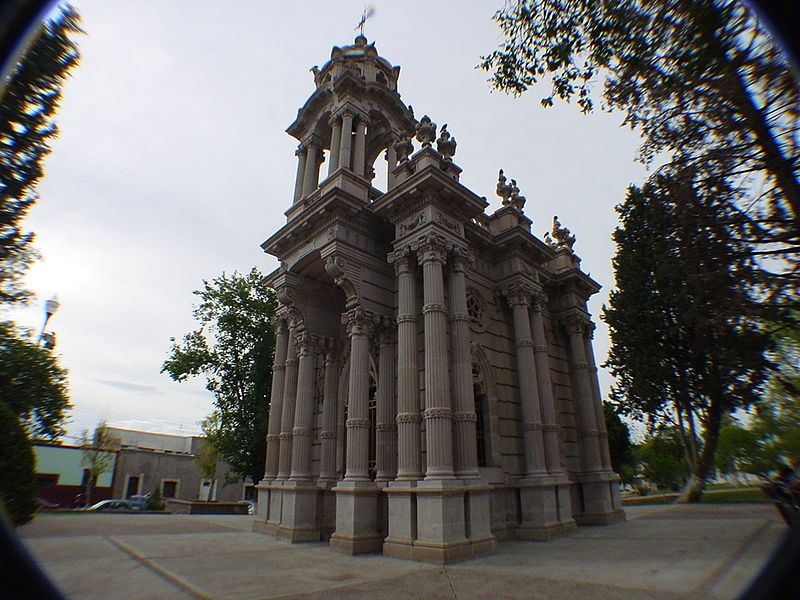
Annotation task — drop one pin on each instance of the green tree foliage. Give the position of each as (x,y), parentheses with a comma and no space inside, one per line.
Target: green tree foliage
(662,459)
(208,455)
(27,126)
(233,349)
(97,456)
(702,82)
(18,489)
(32,384)
(155,501)
(736,449)
(619,444)
(686,345)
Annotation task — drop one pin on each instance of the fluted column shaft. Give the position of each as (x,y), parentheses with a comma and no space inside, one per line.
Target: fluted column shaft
(276,400)
(311,178)
(359,153)
(301,170)
(587,424)
(346,146)
(552,444)
(327,468)
(336,144)
(287,412)
(532,425)
(408,419)
(357,463)
(438,411)
(597,402)
(304,412)
(386,411)
(464,417)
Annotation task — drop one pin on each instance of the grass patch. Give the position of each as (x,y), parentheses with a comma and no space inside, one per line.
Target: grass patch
(718,496)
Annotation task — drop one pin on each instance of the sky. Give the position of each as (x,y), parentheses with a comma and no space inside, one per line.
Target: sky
(173,166)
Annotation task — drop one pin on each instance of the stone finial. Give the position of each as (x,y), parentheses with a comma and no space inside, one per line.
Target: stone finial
(503,188)
(515,199)
(446,145)
(403,147)
(563,237)
(426,131)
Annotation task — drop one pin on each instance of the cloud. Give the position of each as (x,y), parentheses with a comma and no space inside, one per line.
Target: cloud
(131,387)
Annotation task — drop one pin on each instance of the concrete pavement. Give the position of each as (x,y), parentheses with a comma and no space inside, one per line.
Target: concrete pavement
(661,552)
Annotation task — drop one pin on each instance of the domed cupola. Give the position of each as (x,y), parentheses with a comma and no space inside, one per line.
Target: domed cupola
(354,114)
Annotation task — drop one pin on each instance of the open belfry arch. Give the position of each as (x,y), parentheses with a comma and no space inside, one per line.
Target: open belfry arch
(434,388)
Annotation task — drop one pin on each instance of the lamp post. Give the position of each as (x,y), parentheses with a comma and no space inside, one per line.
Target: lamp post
(50,308)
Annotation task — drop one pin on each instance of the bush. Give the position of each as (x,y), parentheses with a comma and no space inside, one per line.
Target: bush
(154,501)
(18,488)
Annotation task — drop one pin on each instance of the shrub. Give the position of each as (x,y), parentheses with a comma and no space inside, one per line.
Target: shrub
(154,502)
(18,488)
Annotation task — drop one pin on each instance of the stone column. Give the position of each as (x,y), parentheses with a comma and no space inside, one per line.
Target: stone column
(552,444)
(359,153)
(583,397)
(464,418)
(408,419)
(359,327)
(386,409)
(438,411)
(287,412)
(391,163)
(597,400)
(301,170)
(327,469)
(519,297)
(311,178)
(276,399)
(346,145)
(304,410)
(336,144)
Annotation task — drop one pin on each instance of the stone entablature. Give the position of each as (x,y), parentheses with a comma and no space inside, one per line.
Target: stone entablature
(434,387)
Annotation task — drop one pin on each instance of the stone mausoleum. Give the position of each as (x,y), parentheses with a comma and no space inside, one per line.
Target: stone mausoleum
(434,387)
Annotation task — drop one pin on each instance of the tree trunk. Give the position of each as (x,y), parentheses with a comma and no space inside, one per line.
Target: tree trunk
(701,469)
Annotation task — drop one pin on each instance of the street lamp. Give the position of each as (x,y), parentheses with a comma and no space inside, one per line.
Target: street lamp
(50,308)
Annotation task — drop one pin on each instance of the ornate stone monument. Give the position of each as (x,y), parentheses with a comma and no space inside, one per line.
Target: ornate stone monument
(434,387)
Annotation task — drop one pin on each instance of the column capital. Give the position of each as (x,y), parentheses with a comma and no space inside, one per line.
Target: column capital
(279,323)
(335,119)
(403,259)
(539,301)
(576,323)
(312,140)
(518,292)
(360,322)
(462,258)
(431,248)
(301,150)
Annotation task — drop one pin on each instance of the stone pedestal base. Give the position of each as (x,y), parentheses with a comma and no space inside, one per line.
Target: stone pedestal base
(269,507)
(438,521)
(356,518)
(599,502)
(298,522)
(545,509)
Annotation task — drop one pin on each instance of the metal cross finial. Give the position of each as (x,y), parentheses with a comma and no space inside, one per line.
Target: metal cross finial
(369,10)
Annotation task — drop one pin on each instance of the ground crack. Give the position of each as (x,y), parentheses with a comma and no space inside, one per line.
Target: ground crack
(450,582)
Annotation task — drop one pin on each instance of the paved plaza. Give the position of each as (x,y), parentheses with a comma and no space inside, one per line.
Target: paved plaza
(661,552)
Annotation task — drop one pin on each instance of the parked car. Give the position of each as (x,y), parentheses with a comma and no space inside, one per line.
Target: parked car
(45,504)
(139,501)
(111,505)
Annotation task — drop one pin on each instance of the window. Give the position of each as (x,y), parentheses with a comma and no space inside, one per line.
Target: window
(169,488)
(133,486)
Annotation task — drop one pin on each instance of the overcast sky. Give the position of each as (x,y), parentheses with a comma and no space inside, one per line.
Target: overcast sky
(173,166)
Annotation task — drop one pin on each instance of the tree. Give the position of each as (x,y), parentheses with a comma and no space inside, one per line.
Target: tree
(32,384)
(27,126)
(662,459)
(619,444)
(736,447)
(702,82)
(98,455)
(687,345)
(233,349)
(18,490)
(208,455)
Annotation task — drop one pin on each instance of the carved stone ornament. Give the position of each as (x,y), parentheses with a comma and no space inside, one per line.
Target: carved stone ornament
(503,188)
(518,292)
(403,148)
(515,200)
(360,322)
(562,235)
(446,144)
(431,247)
(426,131)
